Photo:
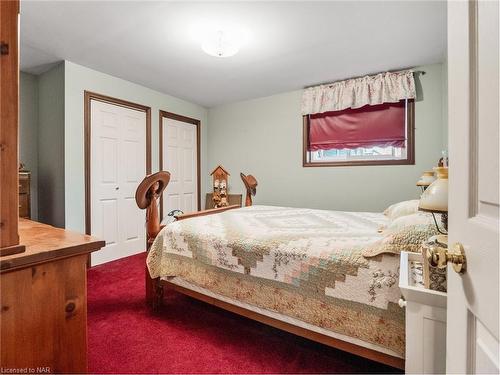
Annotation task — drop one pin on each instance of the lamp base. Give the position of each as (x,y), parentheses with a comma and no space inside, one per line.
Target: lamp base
(444,221)
(438,239)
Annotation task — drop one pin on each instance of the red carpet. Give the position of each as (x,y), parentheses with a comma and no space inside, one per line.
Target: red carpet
(188,336)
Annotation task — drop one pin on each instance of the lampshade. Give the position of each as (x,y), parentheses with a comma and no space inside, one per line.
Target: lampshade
(435,198)
(426,179)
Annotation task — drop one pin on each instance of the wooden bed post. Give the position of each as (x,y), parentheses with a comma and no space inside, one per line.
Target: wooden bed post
(154,289)
(154,292)
(251,186)
(146,196)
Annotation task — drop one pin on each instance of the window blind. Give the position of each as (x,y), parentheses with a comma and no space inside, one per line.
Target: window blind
(380,125)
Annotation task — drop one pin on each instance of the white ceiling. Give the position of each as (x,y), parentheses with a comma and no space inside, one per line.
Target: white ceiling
(289,45)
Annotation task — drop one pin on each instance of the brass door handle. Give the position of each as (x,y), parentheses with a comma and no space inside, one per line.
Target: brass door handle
(439,256)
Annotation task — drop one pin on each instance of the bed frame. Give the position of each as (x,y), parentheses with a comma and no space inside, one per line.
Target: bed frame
(155,289)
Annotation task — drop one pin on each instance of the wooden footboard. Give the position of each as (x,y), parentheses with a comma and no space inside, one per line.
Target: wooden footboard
(207,212)
(146,196)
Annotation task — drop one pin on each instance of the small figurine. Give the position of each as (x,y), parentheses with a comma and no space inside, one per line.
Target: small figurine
(216,198)
(220,193)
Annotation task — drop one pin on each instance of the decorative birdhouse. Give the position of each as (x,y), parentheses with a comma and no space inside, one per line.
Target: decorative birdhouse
(220,194)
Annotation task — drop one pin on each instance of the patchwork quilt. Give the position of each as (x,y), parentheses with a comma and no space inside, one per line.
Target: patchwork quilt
(303,263)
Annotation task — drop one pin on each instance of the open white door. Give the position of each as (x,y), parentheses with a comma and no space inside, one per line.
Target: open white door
(473,91)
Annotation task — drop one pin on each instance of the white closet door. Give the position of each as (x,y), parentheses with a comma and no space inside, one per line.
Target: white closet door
(180,159)
(118,164)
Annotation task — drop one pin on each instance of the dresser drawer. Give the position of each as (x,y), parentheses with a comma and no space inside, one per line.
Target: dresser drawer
(24,207)
(24,184)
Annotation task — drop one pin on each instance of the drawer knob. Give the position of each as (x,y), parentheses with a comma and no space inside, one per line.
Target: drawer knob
(70,307)
(402,303)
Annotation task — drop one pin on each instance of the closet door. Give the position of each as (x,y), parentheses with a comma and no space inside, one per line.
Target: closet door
(118,164)
(180,158)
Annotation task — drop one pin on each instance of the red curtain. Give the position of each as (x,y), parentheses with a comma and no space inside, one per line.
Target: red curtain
(378,125)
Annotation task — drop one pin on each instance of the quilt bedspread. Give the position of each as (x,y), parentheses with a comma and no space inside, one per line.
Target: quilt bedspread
(304,263)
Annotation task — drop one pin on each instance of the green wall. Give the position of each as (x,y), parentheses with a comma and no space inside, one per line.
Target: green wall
(445,104)
(41,141)
(28,132)
(51,184)
(263,137)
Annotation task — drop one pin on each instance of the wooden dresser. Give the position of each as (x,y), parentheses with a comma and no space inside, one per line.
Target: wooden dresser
(43,316)
(25,194)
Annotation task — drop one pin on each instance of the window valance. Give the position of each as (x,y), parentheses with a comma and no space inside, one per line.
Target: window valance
(354,93)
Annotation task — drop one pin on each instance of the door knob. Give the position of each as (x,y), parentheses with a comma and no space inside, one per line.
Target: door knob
(117,188)
(439,256)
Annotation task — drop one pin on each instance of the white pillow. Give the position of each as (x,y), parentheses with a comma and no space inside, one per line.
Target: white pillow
(402,209)
(419,218)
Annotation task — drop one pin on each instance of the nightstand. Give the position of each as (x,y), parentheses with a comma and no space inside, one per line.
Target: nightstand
(425,319)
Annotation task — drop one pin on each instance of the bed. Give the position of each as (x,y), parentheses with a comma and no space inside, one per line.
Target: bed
(330,276)
(302,266)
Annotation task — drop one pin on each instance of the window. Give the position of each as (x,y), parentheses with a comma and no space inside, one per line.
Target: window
(370,135)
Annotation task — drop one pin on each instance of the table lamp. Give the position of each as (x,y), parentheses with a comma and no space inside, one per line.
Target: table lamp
(425,180)
(435,198)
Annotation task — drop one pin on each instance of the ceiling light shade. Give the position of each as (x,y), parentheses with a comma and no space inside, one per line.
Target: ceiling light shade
(220,44)
(435,198)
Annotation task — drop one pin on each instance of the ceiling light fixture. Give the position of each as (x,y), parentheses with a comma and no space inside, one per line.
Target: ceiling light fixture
(220,44)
